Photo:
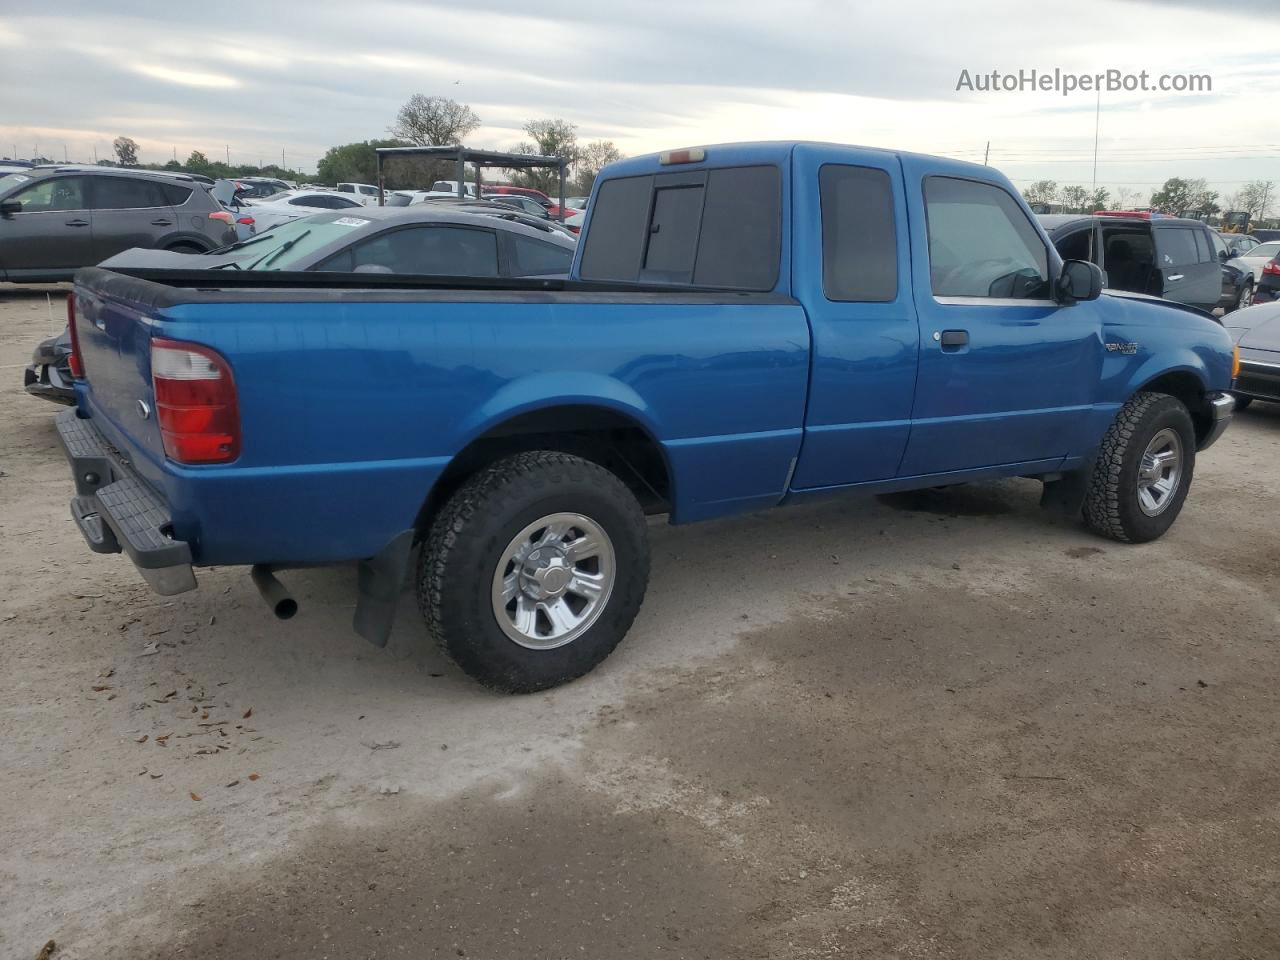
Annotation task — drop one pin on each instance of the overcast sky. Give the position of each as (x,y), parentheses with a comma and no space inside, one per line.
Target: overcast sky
(260,77)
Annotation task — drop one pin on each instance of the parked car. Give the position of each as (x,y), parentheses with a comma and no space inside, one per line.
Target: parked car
(54,220)
(1169,257)
(1257,258)
(531,207)
(420,240)
(574,221)
(259,188)
(366,193)
(1239,243)
(450,187)
(1257,335)
(491,208)
(508,190)
(744,325)
(1269,280)
(576,203)
(291,204)
(49,375)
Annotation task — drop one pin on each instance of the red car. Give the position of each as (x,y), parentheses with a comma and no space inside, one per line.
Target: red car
(552,208)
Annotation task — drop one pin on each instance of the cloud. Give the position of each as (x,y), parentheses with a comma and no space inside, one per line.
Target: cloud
(300,76)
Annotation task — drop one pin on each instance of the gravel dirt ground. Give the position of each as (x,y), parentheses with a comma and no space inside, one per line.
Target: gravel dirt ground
(936,725)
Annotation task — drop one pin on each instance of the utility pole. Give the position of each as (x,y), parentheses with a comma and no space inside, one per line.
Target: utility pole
(282,163)
(175,154)
(64,154)
(95,153)
(1097,119)
(986,154)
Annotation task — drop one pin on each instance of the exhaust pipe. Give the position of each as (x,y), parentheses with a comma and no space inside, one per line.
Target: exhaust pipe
(275,593)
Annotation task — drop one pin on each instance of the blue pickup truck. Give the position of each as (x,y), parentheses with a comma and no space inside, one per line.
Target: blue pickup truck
(744,326)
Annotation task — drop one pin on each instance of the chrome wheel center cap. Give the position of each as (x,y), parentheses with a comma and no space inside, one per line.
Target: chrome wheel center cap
(545,574)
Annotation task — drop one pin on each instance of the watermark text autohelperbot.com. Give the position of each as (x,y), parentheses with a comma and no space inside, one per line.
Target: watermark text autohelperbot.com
(1031,80)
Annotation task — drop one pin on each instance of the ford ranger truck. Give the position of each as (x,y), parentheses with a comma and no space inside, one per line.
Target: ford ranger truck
(744,326)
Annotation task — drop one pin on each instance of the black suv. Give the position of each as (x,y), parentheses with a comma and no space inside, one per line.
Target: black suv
(1167,257)
(56,219)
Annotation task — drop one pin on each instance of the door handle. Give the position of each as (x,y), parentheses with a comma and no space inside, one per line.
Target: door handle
(953,339)
(162,223)
(1175,276)
(77,223)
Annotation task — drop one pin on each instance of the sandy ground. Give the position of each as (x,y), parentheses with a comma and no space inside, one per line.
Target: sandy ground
(931,725)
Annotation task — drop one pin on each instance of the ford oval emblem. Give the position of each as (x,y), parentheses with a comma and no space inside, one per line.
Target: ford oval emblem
(144,410)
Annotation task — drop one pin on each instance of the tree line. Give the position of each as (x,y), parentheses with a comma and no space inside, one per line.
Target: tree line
(1179,197)
(423,121)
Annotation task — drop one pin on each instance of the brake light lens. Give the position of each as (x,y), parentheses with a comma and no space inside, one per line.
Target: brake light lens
(692,155)
(1272,267)
(74,362)
(246,221)
(195,403)
(223,216)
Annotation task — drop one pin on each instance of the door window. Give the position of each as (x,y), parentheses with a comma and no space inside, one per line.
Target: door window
(1177,246)
(859,245)
(1202,246)
(124,193)
(533,257)
(55,193)
(1077,246)
(981,244)
(448,251)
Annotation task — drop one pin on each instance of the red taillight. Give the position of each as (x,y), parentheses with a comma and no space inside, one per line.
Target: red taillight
(195,403)
(223,216)
(246,221)
(572,229)
(1272,267)
(74,362)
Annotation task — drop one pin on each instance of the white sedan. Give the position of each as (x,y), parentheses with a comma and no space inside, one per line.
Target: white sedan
(291,204)
(1258,257)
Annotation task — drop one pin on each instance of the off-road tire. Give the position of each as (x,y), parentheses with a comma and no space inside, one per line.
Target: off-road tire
(1111,503)
(470,533)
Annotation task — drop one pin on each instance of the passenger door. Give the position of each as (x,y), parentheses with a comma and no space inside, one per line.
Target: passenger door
(1188,273)
(127,212)
(1006,372)
(53,232)
(852,273)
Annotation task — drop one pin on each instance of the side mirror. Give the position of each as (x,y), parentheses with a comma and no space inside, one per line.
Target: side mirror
(1224,255)
(9,207)
(1080,280)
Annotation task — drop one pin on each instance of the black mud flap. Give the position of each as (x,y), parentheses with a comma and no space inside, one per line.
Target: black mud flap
(379,580)
(1068,492)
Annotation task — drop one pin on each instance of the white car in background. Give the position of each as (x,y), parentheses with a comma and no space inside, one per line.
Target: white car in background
(1258,257)
(291,204)
(366,193)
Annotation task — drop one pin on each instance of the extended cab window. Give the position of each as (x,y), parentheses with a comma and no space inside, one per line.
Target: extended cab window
(981,244)
(714,228)
(859,246)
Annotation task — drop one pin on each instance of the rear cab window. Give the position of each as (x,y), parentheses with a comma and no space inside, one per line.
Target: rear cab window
(859,239)
(718,229)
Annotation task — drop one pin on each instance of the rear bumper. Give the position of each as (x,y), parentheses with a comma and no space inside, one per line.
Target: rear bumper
(1221,407)
(47,382)
(117,512)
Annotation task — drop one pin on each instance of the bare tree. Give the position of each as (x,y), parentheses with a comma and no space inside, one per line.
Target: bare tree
(1126,197)
(593,158)
(1255,198)
(1075,198)
(126,149)
(434,121)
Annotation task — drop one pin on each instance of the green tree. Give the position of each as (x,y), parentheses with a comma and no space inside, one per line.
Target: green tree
(1203,200)
(197,162)
(1075,198)
(1042,191)
(126,149)
(551,138)
(593,158)
(358,163)
(1173,198)
(1098,200)
(434,121)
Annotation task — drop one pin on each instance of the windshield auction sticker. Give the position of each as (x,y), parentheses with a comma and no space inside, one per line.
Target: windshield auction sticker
(351,221)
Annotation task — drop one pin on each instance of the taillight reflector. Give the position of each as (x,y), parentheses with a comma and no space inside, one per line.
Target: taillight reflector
(692,155)
(246,221)
(195,403)
(74,362)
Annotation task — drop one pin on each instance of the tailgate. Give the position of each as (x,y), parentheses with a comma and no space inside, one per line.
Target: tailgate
(114,323)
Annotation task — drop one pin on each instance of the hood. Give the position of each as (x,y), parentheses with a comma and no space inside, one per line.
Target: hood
(1171,304)
(1257,328)
(140,258)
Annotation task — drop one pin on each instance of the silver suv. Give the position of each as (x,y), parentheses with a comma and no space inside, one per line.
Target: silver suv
(56,219)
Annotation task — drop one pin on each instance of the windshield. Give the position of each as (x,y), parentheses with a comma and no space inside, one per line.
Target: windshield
(283,247)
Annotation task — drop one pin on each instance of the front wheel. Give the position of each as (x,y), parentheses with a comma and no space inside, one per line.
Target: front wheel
(1143,470)
(1245,298)
(534,570)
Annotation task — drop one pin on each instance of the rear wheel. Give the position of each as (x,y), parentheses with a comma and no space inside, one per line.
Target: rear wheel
(1246,296)
(534,570)
(1143,470)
